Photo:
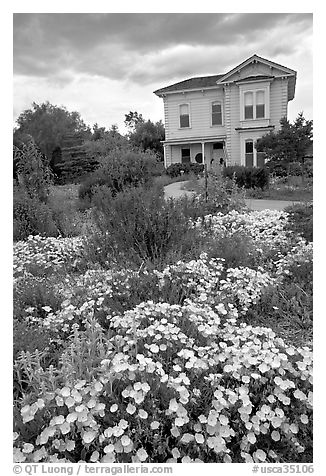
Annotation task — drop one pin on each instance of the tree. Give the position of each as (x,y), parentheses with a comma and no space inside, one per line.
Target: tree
(132,119)
(148,135)
(48,124)
(289,144)
(103,142)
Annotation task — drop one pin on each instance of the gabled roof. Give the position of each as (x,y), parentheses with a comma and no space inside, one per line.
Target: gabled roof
(259,59)
(200,82)
(204,82)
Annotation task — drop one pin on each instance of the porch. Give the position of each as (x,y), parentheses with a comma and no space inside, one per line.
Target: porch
(211,152)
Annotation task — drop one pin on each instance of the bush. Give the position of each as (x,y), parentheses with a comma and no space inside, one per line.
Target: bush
(120,170)
(237,250)
(175,170)
(295,169)
(248,177)
(33,171)
(140,225)
(221,195)
(31,217)
(301,219)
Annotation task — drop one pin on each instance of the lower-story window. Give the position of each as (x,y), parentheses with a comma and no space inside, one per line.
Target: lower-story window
(249,153)
(185,156)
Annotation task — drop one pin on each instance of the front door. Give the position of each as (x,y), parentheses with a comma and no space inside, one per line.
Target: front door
(218,157)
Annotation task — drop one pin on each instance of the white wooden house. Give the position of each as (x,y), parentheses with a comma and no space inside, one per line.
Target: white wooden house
(217,119)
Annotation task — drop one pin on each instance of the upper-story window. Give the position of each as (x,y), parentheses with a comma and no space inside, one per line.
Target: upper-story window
(260,104)
(217,118)
(184,115)
(254,104)
(249,105)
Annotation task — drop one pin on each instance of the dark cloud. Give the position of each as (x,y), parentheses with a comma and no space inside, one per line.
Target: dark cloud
(144,47)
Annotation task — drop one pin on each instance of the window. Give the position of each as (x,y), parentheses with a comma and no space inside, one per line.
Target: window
(254,105)
(260,105)
(216,114)
(184,115)
(249,106)
(199,158)
(185,156)
(249,153)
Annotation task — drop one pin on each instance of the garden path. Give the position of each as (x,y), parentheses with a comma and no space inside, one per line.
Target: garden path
(174,190)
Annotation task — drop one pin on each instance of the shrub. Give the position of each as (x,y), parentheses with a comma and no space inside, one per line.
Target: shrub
(33,171)
(295,168)
(32,295)
(301,219)
(31,217)
(141,225)
(120,170)
(175,170)
(221,195)
(248,177)
(237,249)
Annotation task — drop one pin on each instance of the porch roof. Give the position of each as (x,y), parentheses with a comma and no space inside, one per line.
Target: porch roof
(194,140)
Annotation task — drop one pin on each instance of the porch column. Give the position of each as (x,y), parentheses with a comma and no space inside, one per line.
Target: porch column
(165,155)
(203,152)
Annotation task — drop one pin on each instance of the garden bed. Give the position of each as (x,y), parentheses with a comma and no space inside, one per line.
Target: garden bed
(200,359)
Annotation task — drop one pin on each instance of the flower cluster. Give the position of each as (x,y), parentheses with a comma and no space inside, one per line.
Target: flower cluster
(177,378)
(301,254)
(210,383)
(267,228)
(40,255)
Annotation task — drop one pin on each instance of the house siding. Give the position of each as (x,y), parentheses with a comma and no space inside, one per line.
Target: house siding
(278,83)
(200,114)
(234,112)
(278,101)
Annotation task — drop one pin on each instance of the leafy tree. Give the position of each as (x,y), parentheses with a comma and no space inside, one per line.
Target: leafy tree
(132,119)
(104,142)
(289,144)
(148,135)
(48,124)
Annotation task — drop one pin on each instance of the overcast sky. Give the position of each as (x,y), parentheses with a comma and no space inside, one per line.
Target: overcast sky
(104,65)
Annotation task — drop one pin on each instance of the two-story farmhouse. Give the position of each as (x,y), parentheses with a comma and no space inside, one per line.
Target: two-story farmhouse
(217,119)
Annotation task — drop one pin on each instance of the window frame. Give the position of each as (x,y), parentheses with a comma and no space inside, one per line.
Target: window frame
(189,115)
(249,141)
(219,102)
(255,89)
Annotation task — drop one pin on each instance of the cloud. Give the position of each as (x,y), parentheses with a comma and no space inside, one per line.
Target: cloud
(117,45)
(96,63)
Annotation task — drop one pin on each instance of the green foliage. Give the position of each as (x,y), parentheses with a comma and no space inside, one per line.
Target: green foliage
(221,194)
(175,170)
(31,217)
(119,170)
(301,219)
(33,171)
(105,142)
(48,124)
(34,293)
(289,144)
(237,250)
(132,119)
(148,136)
(248,177)
(140,226)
